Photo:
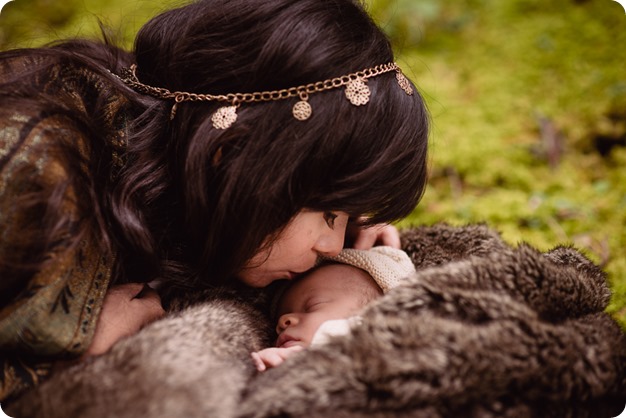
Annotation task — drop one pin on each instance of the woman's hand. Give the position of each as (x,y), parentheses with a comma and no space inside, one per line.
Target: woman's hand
(126,309)
(364,238)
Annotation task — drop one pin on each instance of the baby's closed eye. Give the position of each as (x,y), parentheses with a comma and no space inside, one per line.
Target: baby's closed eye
(315,303)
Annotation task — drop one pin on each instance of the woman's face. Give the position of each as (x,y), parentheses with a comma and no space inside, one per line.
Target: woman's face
(296,250)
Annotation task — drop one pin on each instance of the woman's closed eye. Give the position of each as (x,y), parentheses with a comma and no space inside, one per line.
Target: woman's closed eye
(330,217)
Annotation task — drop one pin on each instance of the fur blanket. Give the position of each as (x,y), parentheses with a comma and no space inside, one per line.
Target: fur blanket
(482,330)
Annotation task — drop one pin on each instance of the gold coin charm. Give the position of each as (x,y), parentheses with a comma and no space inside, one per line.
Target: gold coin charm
(224,117)
(302,110)
(357,92)
(404,83)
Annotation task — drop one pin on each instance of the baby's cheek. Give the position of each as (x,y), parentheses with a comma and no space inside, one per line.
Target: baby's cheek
(310,327)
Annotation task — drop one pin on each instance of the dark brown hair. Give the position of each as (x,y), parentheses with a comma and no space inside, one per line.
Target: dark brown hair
(175,211)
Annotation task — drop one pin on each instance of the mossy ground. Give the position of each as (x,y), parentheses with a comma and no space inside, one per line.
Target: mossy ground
(528,104)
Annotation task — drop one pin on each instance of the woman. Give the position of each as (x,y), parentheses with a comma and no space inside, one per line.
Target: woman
(121,168)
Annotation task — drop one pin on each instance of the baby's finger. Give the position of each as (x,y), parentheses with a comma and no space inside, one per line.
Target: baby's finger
(258,362)
(273,359)
(365,239)
(389,235)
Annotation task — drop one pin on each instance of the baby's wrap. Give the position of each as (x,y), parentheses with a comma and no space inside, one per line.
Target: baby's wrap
(482,330)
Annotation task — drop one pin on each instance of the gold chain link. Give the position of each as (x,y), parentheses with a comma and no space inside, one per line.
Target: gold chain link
(129,78)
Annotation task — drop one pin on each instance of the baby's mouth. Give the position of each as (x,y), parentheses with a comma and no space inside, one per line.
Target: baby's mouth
(285,341)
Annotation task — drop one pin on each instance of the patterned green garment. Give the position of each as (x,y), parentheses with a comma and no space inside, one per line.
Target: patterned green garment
(51,313)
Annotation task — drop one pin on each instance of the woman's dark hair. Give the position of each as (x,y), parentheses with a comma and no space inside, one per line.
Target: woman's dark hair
(199,202)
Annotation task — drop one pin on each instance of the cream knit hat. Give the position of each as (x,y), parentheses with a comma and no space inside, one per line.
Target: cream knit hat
(387,265)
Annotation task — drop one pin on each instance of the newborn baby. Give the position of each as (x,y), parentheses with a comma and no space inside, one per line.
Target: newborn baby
(328,300)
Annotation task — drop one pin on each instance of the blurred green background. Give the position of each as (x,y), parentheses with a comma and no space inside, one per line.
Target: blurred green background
(528,101)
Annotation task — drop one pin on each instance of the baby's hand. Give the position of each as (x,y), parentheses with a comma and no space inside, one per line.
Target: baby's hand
(273,356)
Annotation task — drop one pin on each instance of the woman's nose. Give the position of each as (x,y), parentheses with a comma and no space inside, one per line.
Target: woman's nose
(285,321)
(330,244)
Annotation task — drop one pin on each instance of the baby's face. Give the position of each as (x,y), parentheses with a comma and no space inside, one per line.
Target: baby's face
(328,292)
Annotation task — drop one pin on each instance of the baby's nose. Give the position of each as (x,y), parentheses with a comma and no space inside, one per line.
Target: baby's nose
(285,321)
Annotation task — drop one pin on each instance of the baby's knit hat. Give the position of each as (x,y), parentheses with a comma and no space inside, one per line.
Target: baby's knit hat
(387,265)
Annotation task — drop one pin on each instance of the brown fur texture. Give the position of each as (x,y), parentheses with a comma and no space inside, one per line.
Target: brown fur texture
(482,330)
(193,363)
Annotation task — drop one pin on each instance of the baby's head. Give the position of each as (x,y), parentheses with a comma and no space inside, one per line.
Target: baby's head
(337,289)
(331,291)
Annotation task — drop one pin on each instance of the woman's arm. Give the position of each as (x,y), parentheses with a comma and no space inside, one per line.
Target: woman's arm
(55,265)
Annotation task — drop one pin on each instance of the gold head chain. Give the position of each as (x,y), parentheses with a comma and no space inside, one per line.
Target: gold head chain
(357,92)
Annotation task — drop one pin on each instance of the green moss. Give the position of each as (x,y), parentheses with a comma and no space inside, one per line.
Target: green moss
(30,23)
(501,86)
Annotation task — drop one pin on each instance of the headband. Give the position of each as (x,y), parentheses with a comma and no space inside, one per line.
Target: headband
(356,91)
